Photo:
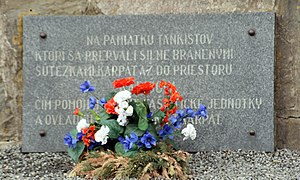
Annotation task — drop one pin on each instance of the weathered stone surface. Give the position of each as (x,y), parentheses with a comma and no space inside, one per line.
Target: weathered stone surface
(111,7)
(288,133)
(10,120)
(196,52)
(287,84)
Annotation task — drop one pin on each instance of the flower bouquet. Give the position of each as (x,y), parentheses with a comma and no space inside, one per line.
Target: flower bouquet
(124,138)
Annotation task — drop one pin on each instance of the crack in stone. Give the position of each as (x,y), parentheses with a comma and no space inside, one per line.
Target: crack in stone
(289,117)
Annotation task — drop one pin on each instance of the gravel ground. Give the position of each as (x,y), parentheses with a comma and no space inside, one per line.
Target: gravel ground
(282,164)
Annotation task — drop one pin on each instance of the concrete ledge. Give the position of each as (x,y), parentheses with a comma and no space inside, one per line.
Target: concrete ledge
(4,145)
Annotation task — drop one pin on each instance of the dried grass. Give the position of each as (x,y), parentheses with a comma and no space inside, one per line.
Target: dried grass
(146,165)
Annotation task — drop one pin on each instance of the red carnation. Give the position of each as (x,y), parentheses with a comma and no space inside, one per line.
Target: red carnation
(110,106)
(162,84)
(172,87)
(76,111)
(175,96)
(123,82)
(163,109)
(88,135)
(144,88)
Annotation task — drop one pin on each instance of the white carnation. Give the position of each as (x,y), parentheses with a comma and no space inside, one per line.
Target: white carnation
(122,96)
(102,135)
(82,124)
(129,111)
(189,132)
(119,110)
(122,119)
(123,104)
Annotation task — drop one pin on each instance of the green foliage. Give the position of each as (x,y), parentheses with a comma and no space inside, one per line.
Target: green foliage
(141,112)
(73,133)
(95,115)
(110,95)
(119,148)
(133,128)
(172,106)
(147,106)
(76,152)
(173,143)
(163,148)
(158,115)
(110,161)
(115,128)
(104,115)
(152,130)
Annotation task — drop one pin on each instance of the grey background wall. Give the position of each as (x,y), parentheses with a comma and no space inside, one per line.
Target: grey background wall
(287,69)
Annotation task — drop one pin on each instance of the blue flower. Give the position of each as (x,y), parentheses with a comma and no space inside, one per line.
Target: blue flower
(173,119)
(128,142)
(202,111)
(79,136)
(86,87)
(149,115)
(176,121)
(140,144)
(102,102)
(148,140)
(133,137)
(93,144)
(93,102)
(68,140)
(190,112)
(180,113)
(166,131)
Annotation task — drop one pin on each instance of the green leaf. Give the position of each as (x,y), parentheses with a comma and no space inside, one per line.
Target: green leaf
(119,148)
(152,130)
(104,115)
(134,147)
(141,112)
(130,153)
(110,95)
(172,106)
(76,152)
(158,116)
(147,106)
(114,128)
(96,116)
(73,133)
(133,128)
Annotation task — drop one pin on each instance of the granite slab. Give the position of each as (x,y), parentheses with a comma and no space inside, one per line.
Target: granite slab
(225,61)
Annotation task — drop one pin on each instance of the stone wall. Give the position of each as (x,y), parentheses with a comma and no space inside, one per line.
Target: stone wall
(287,82)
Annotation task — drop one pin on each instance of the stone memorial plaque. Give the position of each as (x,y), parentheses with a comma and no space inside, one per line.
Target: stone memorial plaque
(225,61)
